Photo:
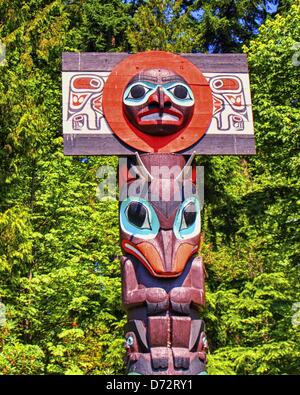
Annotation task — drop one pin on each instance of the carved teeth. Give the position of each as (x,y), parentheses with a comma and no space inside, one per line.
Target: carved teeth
(160,117)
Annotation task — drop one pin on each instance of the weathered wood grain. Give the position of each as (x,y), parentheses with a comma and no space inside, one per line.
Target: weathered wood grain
(106,61)
(214,144)
(219,63)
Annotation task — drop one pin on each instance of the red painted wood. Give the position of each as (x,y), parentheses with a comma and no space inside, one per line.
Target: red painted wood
(180,328)
(158,331)
(113,107)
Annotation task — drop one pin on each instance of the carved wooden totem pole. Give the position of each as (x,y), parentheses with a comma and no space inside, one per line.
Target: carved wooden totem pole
(156,110)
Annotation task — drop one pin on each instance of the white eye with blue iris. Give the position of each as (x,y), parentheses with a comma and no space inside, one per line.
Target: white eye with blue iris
(138,215)
(181,93)
(138,218)
(187,222)
(138,93)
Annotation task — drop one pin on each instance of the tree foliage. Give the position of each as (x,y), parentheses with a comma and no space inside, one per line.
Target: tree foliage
(193,26)
(59,268)
(162,25)
(252,216)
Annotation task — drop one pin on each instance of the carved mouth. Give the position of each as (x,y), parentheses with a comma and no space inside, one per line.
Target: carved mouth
(154,117)
(131,249)
(140,256)
(160,117)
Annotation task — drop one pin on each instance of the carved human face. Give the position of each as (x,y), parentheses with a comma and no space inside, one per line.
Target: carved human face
(158,102)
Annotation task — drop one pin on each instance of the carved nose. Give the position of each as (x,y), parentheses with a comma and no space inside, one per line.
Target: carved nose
(167,247)
(164,100)
(159,100)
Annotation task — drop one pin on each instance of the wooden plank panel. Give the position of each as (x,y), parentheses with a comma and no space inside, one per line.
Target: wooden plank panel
(101,61)
(219,63)
(70,61)
(104,61)
(94,144)
(91,61)
(221,144)
(214,144)
(231,130)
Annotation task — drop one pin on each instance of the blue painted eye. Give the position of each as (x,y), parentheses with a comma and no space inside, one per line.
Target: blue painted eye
(181,93)
(188,216)
(138,218)
(187,222)
(137,94)
(138,215)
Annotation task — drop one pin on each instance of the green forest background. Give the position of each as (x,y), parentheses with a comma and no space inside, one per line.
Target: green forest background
(59,268)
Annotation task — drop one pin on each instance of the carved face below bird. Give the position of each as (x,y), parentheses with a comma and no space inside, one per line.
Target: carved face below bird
(158,102)
(161,226)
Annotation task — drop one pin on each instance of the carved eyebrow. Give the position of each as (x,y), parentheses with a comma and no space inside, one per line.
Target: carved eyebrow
(145,77)
(172,78)
(142,77)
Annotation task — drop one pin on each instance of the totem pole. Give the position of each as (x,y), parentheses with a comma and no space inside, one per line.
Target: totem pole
(156,111)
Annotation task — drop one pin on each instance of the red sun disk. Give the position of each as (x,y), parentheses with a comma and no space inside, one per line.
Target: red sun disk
(113,102)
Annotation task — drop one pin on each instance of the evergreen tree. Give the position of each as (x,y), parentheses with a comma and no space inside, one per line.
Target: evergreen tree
(99,25)
(251,221)
(60,280)
(198,26)
(59,270)
(224,25)
(162,25)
